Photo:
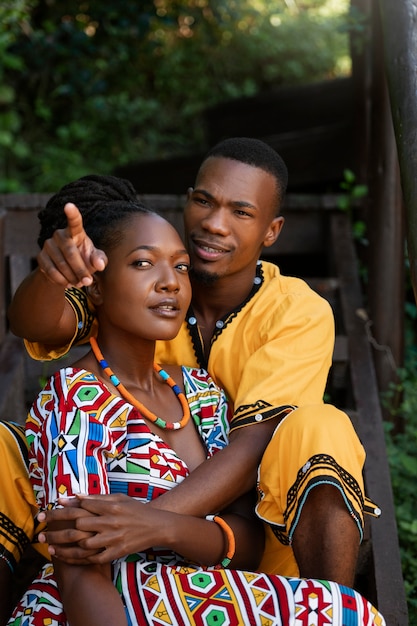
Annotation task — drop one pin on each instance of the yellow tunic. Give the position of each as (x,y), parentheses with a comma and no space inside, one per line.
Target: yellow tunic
(18,504)
(273,352)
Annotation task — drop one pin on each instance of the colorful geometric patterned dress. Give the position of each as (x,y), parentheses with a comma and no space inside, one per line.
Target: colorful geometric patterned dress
(84,439)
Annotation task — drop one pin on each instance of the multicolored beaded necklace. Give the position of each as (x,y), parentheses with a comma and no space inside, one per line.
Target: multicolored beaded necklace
(158,421)
(221,323)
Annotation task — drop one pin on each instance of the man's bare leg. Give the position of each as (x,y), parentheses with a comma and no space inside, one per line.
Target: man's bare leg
(326,540)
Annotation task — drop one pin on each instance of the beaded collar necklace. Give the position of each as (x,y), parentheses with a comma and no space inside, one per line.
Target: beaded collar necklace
(158,421)
(222,322)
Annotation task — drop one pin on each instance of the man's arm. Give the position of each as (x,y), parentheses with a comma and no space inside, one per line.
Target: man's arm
(223,478)
(210,488)
(17,507)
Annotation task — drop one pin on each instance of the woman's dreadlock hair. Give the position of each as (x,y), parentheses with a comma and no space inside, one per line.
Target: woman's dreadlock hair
(102,201)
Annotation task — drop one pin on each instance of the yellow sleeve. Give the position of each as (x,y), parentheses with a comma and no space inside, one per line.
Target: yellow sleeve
(289,365)
(17,501)
(86,326)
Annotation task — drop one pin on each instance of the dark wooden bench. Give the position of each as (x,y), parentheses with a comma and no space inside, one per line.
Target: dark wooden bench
(316,236)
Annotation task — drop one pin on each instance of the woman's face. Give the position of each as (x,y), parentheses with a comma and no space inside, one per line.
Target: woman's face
(145,290)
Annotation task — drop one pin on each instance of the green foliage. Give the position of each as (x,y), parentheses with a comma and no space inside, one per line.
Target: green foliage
(352,191)
(401,448)
(357,24)
(347,201)
(14,21)
(89,85)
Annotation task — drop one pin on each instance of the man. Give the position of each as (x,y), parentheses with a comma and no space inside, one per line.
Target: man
(17,502)
(265,338)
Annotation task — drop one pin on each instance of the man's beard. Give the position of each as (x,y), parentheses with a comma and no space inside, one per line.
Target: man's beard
(204,278)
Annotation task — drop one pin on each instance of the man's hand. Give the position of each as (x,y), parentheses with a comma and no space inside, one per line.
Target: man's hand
(69,257)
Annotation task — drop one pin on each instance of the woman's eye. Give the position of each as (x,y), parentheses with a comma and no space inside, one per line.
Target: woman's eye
(183,267)
(141,263)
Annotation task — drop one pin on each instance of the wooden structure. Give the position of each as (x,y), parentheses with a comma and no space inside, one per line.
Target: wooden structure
(376,164)
(314,229)
(399,51)
(345,124)
(321,129)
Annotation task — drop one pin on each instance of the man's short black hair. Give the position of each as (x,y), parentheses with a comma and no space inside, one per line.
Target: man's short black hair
(256,153)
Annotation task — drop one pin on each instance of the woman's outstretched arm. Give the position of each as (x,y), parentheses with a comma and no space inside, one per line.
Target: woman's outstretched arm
(67,259)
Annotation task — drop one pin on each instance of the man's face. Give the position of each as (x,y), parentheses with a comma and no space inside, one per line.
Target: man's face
(229,217)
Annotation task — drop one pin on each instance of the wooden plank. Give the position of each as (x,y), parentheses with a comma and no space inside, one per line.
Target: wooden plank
(316,141)
(21,232)
(385,219)
(12,394)
(24,201)
(3,303)
(400,55)
(389,585)
(282,110)
(19,268)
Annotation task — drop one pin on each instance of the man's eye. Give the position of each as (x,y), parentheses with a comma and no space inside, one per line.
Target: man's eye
(202,201)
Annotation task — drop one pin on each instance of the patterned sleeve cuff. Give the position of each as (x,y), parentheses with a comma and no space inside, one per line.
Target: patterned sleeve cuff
(257,413)
(85,327)
(84,313)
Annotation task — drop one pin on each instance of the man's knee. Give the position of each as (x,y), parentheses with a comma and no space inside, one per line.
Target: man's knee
(314,446)
(321,416)
(326,539)
(316,428)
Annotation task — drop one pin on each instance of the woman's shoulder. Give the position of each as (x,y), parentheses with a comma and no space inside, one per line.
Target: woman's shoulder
(73,373)
(70,390)
(69,382)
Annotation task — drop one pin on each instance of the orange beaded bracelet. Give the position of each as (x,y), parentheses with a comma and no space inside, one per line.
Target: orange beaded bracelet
(229,535)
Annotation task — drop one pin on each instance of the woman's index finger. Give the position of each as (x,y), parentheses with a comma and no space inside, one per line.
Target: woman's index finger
(74,220)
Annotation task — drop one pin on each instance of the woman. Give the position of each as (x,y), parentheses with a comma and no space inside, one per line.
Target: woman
(91,433)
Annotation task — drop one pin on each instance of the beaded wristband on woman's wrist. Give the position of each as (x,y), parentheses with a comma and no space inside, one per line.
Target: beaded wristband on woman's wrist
(228,532)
